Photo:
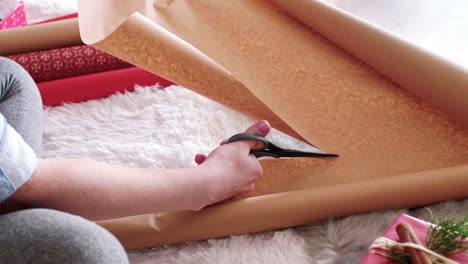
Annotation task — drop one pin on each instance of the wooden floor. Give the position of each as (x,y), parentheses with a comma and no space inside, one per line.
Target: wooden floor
(438,25)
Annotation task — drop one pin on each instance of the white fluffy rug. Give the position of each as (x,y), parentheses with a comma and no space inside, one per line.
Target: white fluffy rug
(40,10)
(165,129)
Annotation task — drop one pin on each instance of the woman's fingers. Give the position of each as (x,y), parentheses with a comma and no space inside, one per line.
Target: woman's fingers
(261,128)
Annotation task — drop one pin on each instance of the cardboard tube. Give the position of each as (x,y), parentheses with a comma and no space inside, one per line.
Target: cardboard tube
(289,209)
(53,35)
(425,74)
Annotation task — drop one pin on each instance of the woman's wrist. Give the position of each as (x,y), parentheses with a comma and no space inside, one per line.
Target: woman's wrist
(186,188)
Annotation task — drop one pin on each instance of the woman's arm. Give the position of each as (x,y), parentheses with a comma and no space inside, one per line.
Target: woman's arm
(98,190)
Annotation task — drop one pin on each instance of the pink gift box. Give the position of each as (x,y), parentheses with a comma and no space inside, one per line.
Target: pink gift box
(17,18)
(420,228)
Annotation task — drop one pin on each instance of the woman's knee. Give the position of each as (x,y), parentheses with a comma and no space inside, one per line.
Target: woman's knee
(57,237)
(14,78)
(8,65)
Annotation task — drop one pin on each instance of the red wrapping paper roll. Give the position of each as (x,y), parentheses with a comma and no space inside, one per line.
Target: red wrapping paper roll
(72,15)
(98,85)
(67,62)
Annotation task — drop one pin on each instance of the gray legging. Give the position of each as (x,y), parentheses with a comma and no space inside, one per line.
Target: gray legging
(42,235)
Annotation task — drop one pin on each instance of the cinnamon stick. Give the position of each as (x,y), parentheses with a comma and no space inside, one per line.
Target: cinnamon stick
(406,234)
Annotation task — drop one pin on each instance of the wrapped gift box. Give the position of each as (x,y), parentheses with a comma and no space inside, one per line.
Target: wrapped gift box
(420,229)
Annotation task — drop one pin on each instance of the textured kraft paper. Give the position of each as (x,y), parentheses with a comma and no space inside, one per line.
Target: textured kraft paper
(52,35)
(426,75)
(254,57)
(294,208)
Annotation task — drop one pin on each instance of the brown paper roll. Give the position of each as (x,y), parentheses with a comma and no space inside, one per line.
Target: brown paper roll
(327,96)
(52,35)
(289,209)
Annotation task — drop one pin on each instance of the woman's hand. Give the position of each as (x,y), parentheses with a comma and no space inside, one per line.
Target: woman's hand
(230,170)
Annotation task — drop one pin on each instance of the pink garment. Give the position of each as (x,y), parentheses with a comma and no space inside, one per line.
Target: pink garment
(420,229)
(17,18)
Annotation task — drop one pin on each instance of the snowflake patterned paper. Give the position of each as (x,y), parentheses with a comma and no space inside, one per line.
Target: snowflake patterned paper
(62,63)
(17,18)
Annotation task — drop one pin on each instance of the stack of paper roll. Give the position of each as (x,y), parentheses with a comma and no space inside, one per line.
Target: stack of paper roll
(64,68)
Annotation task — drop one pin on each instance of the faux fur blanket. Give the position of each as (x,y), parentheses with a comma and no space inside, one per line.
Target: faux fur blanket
(165,129)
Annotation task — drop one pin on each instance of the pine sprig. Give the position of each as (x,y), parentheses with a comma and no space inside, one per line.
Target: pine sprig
(398,256)
(447,236)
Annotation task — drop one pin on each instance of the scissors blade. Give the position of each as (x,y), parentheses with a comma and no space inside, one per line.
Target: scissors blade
(268,149)
(290,153)
(303,154)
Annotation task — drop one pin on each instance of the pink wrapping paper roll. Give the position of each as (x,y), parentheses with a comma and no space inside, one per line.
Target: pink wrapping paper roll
(16,18)
(67,62)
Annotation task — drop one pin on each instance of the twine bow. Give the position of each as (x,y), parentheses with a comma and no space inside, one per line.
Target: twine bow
(410,244)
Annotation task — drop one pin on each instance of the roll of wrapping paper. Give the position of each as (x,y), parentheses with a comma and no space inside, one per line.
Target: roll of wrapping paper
(16,18)
(97,85)
(385,136)
(294,208)
(67,62)
(52,35)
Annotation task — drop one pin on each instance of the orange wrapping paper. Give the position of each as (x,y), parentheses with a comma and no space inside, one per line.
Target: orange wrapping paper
(256,58)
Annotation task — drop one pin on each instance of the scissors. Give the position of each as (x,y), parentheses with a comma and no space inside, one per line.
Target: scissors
(265,148)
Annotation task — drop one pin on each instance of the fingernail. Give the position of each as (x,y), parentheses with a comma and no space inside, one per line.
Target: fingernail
(199,158)
(263,127)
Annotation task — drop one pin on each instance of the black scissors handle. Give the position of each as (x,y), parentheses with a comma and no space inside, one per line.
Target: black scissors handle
(267,149)
(262,143)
